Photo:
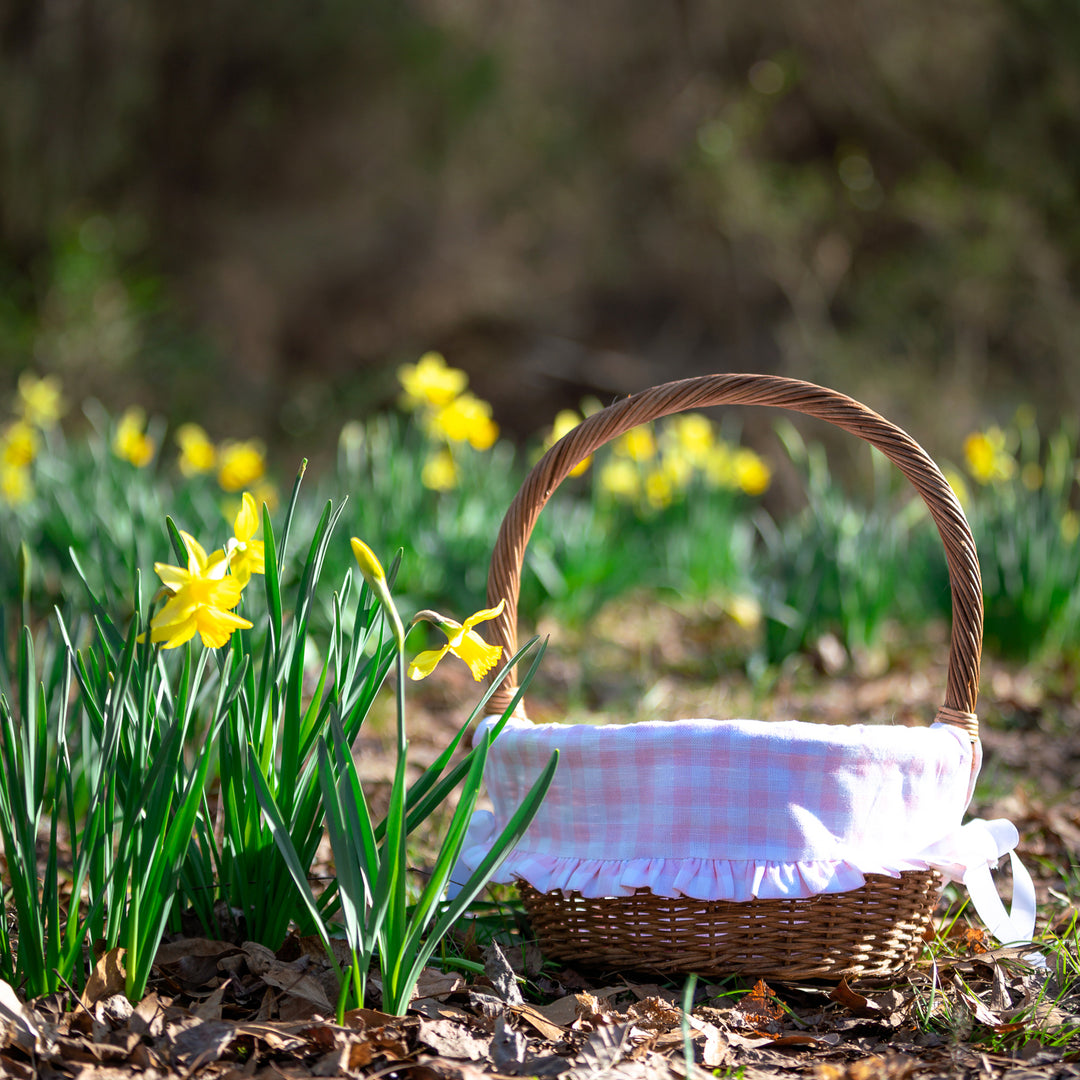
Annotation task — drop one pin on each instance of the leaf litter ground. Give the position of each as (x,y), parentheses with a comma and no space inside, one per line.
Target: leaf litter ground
(224,1009)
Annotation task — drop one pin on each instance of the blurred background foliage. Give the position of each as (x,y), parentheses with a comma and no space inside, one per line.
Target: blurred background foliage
(249,218)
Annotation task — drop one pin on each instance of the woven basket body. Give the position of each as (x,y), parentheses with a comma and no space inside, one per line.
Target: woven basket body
(872,927)
(876,930)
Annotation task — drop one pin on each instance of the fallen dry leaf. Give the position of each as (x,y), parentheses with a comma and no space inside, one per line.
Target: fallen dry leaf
(452,1040)
(433,983)
(538,1019)
(758,1010)
(562,1012)
(106,979)
(21,1026)
(854,1002)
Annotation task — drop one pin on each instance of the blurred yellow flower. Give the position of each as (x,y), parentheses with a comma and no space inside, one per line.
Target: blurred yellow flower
(692,435)
(40,401)
(637,444)
(18,444)
(677,467)
(197,453)
(429,382)
(465,419)
(240,464)
(462,641)
(744,610)
(621,478)
(202,600)
(15,485)
(988,460)
(659,490)
(752,475)
(246,556)
(565,422)
(719,466)
(440,471)
(130,441)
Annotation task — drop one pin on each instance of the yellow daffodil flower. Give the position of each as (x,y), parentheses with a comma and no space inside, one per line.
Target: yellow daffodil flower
(18,444)
(565,422)
(130,441)
(638,444)
(202,600)
(462,641)
(692,435)
(465,419)
(240,464)
(440,471)
(15,485)
(430,383)
(246,556)
(620,478)
(752,475)
(659,490)
(677,468)
(40,402)
(197,453)
(988,460)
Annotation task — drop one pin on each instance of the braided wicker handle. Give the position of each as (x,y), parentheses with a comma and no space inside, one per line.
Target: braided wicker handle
(504,579)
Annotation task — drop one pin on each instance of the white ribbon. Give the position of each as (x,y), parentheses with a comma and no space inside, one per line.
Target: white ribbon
(1013,927)
(968,855)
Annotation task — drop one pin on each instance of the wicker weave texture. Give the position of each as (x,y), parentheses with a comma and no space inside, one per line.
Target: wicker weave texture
(873,932)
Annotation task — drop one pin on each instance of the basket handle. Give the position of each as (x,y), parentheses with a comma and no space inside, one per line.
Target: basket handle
(965,647)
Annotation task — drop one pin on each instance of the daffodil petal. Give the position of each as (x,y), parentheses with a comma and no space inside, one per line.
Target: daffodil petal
(247,520)
(426,662)
(215,627)
(196,553)
(172,577)
(174,635)
(486,615)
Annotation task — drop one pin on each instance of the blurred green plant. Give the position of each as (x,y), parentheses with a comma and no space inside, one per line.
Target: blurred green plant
(840,566)
(680,496)
(1023,512)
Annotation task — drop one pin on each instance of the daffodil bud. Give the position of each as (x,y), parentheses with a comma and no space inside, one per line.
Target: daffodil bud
(375,576)
(370,566)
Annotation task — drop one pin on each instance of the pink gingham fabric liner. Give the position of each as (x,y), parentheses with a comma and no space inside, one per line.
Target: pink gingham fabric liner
(733,809)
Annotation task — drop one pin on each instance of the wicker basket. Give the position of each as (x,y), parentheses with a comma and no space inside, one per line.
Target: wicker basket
(874,930)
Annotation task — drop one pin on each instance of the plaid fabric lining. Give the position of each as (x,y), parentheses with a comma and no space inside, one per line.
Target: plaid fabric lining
(725,809)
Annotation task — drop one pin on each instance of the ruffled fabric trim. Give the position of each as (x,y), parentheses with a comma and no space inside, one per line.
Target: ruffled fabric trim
(976,844)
